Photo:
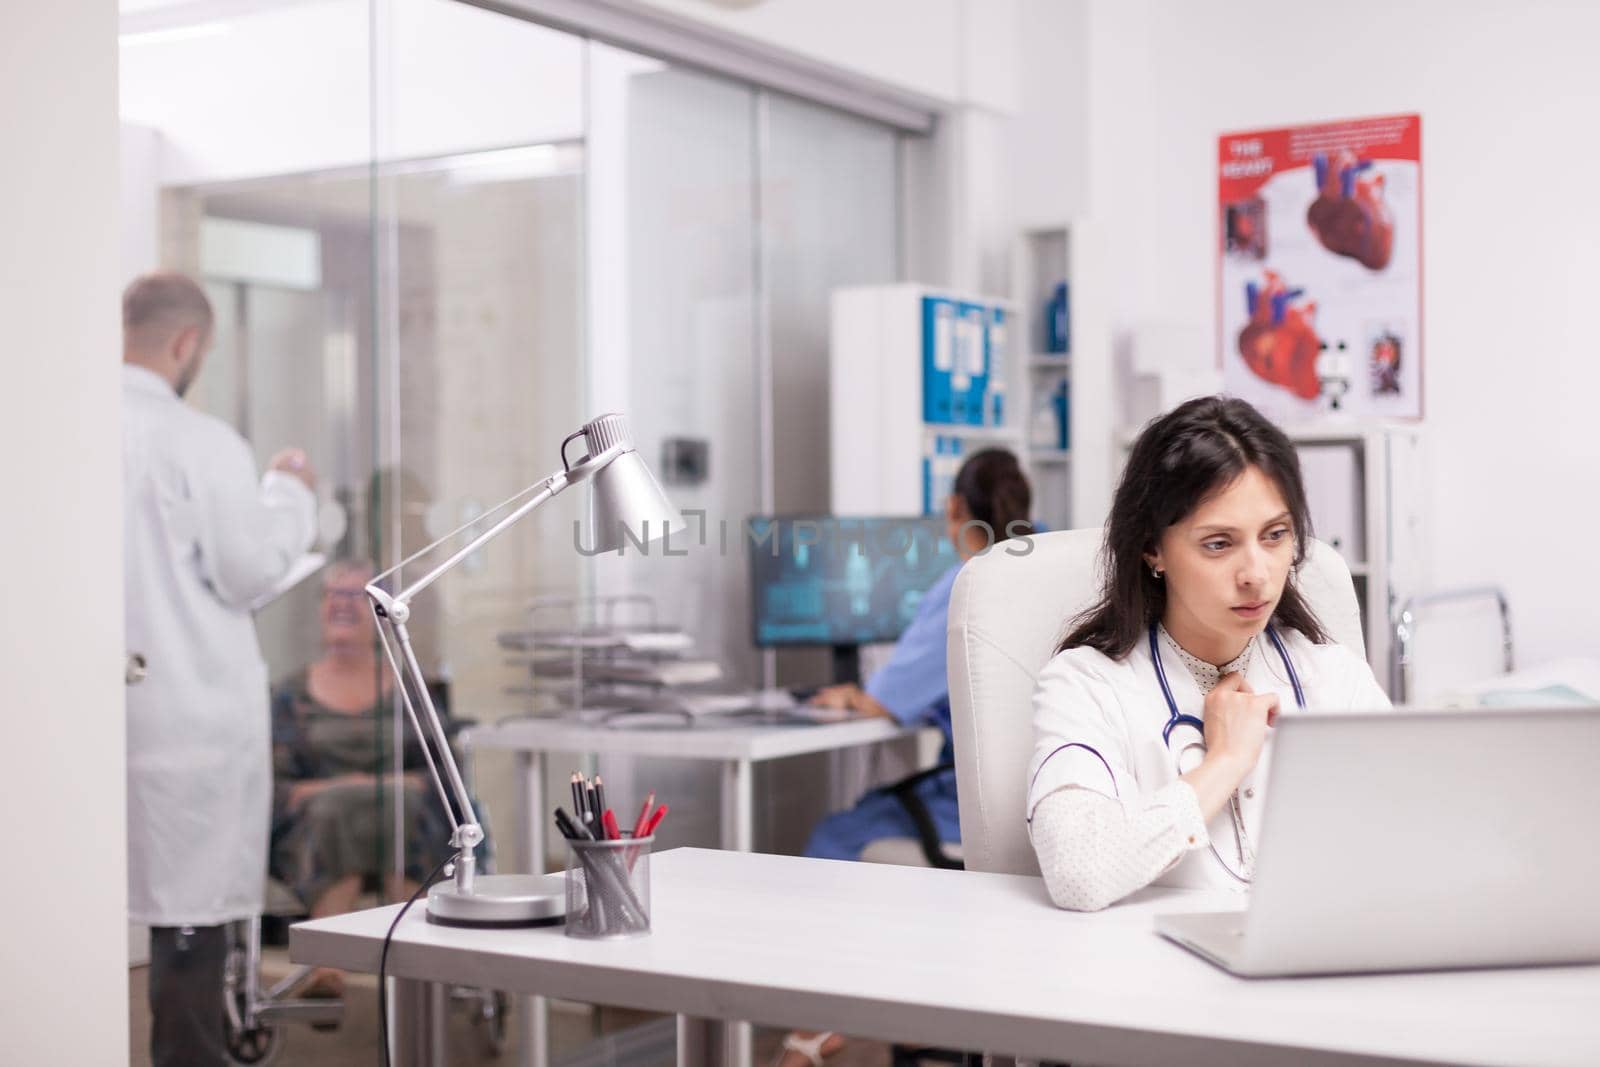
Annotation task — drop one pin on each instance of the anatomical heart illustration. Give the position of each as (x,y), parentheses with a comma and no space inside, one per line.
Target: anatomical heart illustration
(1349,216)
(1280,343)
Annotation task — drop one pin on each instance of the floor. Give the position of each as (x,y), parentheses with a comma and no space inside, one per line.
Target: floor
(573,1030)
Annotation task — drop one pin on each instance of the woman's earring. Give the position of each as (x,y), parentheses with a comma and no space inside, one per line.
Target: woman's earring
(1155,572)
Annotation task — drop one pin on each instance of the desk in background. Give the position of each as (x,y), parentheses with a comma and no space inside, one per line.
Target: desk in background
(962,959)
(736,747)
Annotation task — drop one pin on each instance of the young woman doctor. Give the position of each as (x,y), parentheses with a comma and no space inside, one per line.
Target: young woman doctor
(1153,721)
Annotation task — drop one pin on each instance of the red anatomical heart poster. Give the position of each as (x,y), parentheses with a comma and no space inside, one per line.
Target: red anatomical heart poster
(1321,268)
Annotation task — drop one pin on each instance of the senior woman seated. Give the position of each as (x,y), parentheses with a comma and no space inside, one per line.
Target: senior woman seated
(331,832)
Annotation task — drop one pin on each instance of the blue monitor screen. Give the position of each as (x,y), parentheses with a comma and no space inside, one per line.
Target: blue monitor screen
(826,580)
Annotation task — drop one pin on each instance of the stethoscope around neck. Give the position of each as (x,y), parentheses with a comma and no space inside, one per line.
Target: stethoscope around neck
(1176,719)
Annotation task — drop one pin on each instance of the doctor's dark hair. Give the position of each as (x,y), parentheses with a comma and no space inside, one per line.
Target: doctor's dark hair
(1181,459)
(996,492)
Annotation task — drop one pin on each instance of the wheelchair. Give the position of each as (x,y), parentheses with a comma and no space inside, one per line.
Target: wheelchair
(254,1014)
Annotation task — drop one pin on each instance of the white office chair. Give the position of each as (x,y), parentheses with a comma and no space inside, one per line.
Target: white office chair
(1007,614)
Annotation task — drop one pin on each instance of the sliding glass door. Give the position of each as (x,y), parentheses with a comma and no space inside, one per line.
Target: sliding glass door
(438,248)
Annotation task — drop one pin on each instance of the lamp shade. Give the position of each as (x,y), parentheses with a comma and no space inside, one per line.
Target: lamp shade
(624,494)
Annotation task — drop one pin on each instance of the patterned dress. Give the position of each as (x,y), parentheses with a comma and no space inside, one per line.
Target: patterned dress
(346,829)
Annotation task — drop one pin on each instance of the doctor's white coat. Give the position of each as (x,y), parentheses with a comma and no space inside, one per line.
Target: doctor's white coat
(1098,725)
(202,537)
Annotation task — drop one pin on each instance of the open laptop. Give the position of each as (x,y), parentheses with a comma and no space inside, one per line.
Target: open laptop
(1417,840)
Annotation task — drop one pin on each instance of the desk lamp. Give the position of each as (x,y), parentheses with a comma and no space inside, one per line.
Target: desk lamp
(624,497)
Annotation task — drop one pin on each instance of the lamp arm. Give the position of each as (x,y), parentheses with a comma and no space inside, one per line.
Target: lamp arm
(570,475)
(544,491)
(392,613)
(408,673)
(468,832)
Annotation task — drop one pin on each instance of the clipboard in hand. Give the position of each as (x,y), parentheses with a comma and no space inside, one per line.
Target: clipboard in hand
(298,571)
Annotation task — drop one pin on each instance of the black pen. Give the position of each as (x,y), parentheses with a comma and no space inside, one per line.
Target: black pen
(577,794)
(599,800)
(594,810)
(572,831)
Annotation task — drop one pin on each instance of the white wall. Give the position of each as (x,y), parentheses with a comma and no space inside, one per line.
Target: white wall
(63,908)
(1045,157)
(141,163)
(1511,244)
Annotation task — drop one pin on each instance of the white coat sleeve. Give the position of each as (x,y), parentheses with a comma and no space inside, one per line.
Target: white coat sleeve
(1364,692)
(1344,681)
(1078,735)
(1097,836)
(250,532)
(1093,851)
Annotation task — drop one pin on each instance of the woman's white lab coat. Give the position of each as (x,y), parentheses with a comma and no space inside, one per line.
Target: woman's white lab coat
(1098,724)
(202,537)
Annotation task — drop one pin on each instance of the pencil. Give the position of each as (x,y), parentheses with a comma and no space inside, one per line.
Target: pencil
(644,815)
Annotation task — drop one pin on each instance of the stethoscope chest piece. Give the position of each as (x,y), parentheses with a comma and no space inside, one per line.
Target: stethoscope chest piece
(1184,736)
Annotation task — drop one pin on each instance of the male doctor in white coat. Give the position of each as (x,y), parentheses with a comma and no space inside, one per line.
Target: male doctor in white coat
(203,537)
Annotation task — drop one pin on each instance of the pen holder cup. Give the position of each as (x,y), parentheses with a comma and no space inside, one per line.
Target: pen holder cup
(608,887)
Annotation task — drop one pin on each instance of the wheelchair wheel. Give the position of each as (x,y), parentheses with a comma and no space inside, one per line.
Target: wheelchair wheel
(246,1045)
(250,1047)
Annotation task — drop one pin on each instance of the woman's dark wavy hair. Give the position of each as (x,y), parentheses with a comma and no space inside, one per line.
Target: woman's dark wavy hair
(1181,459)
(996,492)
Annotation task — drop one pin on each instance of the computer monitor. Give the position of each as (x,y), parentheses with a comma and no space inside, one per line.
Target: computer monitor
(840,582)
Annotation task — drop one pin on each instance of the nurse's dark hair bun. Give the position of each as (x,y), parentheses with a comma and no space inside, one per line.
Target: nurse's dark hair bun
(996,492)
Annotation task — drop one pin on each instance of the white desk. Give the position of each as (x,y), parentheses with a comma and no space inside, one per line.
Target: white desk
(970,960)
(737,748)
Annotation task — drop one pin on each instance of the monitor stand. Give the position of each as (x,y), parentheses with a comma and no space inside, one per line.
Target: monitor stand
(846,664)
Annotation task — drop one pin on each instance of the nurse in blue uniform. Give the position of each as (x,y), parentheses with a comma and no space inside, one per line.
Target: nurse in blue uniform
(990,502)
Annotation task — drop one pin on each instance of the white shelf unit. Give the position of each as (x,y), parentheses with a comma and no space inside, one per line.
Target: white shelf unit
(1362,485)
(877,435)
(1041,260)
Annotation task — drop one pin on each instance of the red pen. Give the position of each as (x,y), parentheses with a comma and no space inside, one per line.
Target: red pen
(644,816)
(655,820)
(609,821)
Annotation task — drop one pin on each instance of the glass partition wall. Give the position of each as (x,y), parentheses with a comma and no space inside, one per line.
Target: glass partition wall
(434,251)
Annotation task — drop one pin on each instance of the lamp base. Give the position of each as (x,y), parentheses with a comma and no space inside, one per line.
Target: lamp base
(500,900)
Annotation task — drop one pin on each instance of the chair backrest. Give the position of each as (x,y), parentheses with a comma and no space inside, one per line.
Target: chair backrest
(1007,614)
